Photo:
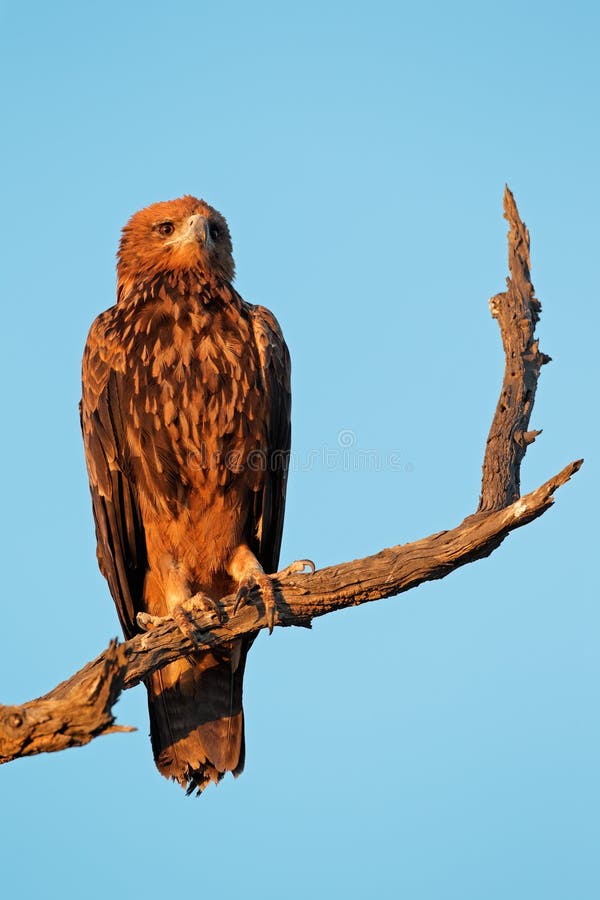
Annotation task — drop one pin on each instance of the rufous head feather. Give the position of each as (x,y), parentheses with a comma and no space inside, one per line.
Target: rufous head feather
(173,236)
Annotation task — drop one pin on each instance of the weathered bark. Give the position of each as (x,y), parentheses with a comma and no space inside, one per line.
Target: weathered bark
(72,714)
(517,311)
(79,709)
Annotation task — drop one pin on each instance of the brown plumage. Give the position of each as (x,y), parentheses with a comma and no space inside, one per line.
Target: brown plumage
(186,425)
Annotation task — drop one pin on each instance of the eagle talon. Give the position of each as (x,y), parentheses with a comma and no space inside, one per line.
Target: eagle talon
(206,603)
(243,591)
(265,584)
(297,568)
(186,613)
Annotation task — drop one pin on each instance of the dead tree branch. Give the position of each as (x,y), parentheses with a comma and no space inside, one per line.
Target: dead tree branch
(79,709)
(72,714)
(517,311)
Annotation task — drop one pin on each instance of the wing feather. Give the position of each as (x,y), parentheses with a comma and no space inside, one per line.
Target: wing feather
(269,503)
(121,545)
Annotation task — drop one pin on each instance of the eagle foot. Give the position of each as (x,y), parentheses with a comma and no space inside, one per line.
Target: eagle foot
(147,622)
(264,583)
(186,613)
(185,616)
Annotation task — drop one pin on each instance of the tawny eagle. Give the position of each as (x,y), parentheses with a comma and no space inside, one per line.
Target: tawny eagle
(186,426)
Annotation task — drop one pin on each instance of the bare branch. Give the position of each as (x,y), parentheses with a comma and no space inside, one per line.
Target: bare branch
(517,311)
(387,573)
(79,709)
(72,714)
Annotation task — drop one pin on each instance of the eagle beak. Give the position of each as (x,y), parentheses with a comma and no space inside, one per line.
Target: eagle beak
(198,230)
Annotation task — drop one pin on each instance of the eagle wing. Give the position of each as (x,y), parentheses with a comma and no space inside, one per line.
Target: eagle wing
(121,545)
(269,502)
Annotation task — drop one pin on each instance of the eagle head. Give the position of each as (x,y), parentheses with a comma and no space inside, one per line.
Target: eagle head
(172,236)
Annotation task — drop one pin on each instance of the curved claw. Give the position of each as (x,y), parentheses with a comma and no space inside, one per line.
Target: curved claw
(265,585)
(249,582)
(186,612)
(297,568)
(205,603)
(270,610)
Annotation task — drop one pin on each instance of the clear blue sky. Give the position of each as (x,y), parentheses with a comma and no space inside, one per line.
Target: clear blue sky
(441,745)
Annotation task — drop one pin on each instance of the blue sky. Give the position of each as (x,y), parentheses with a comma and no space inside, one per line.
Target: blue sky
(440,745)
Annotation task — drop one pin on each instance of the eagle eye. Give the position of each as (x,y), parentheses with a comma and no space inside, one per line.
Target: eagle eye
(214,231)
(166,228)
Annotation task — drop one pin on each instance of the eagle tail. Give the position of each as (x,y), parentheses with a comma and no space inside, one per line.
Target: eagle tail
(196,717)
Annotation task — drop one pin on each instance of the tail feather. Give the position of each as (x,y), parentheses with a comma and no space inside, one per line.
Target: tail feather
(196,717)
